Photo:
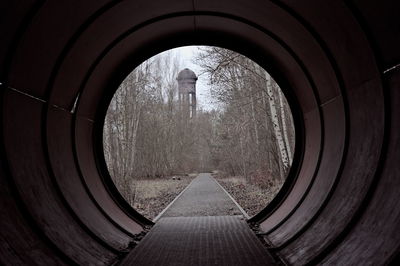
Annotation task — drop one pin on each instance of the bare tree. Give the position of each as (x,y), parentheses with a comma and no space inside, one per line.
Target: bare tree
(255,119)
(144,133)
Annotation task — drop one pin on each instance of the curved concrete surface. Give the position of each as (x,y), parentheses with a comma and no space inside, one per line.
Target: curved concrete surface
(336,60)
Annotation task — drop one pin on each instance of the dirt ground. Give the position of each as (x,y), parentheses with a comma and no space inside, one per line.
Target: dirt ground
(153,195)
(251,198)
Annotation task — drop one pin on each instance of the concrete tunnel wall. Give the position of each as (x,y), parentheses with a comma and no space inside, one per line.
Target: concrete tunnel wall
(336,60)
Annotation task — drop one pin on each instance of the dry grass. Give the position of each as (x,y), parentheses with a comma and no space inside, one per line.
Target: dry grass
(252,198)
(153,195)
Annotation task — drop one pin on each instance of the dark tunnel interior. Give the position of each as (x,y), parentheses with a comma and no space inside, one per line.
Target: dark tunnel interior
(337,61)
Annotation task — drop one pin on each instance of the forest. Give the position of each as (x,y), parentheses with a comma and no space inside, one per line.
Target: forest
(248,130)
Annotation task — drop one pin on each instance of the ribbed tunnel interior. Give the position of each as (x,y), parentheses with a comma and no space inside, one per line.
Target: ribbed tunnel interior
(337,61)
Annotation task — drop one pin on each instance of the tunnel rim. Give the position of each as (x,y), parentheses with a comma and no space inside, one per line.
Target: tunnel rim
(274,72)
(338,237)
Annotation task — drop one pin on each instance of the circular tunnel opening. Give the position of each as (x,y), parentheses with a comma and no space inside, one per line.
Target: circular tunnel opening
(335,74)
(166,124)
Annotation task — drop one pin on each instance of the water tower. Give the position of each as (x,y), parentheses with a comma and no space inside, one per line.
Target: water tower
(187,92)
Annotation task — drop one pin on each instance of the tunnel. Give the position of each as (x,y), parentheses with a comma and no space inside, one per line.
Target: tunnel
(338,63)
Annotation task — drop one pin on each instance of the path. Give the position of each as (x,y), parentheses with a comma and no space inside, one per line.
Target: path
(203,197)
(196,230)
